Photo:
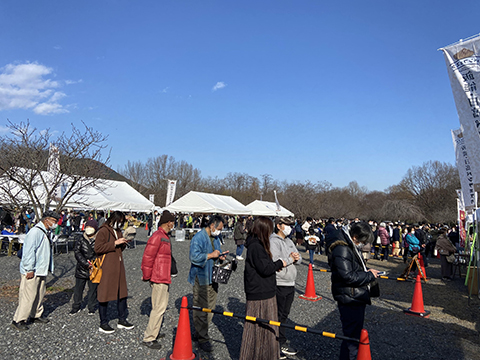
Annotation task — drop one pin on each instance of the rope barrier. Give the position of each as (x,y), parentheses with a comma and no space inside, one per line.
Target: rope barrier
(276,323)
(381,276)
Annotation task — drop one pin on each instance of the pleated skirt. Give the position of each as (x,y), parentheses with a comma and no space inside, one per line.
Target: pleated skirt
(260,341)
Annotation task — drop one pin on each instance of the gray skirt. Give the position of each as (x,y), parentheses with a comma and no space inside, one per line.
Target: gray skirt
(260,341)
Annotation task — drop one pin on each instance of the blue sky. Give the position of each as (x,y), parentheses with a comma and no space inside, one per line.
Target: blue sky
(301,90)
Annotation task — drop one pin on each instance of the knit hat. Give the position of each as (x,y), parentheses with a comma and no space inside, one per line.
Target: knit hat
(166,217)
(92,223)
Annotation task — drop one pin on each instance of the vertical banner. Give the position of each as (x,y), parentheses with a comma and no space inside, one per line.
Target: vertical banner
(465,170)
(151,197)
(53,168)
(463,64)
(461,223)
(276,201)
(172,186)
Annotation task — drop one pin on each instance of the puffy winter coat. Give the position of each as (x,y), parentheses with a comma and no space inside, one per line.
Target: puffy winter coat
(384,236)
(83,252)
(157,258)
(349,279)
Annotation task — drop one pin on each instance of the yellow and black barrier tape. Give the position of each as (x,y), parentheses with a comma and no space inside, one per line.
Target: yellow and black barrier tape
(381,276)
(275,323)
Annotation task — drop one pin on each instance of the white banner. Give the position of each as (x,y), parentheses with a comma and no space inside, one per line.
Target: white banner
(463,63)
(460,201)
(152,198)
(464,169)
(172,186)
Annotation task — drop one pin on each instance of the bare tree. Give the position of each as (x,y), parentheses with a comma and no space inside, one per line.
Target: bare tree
(24,161)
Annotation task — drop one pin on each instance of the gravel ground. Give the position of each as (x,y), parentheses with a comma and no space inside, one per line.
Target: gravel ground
(451,332)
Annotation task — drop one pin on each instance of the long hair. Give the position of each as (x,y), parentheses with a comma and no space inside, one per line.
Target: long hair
(262,229)
(116,217)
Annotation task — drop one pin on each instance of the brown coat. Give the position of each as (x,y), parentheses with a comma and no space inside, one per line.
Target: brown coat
(113,284)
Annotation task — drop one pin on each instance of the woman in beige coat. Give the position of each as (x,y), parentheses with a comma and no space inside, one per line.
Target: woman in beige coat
(445,247)
(113,284)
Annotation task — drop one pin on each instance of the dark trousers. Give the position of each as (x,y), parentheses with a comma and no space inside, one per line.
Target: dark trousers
(352,317)
(285,296)
(121,308)
(385,252)
(78,294)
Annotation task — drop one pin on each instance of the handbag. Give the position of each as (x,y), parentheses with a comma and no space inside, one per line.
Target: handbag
(96,270)
(222,272)
(173,268)
(451,258)
(374,288)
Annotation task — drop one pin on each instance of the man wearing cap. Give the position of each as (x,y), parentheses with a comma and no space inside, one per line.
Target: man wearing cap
(156,268)
(284,249)
(204,250)
(36,261)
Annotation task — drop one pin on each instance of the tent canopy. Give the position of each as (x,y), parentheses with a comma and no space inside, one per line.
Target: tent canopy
(205,203)
(266,208)
(107,195)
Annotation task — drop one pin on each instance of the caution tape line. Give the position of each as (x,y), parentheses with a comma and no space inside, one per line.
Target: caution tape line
(275,323)
(381,277)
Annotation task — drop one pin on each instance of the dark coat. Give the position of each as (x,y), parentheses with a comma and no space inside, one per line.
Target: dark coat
(113,284)
(239,234)
(260,272)
(349,279)
(83,252)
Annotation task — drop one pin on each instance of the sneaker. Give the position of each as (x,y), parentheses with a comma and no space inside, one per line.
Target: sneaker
(105,328)
(288,350)
(313,266)
(20,326)
(240,258)
(160,336)
(90,313)
(206,346)
(40,320)
(282,355)
(124,324)
(73,312)
(152,344)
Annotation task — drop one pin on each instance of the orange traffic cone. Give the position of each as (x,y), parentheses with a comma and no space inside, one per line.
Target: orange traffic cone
(417,308)
(364,348)
(182,349)
(310,294)
(146,226)
(422,265)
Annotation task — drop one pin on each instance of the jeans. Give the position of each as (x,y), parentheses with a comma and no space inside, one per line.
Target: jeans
(121,308)
(239,251)
(311,252)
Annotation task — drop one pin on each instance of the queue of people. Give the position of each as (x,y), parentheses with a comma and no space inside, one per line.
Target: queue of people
(269,277)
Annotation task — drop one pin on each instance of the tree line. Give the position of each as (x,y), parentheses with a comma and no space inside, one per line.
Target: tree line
(426,192)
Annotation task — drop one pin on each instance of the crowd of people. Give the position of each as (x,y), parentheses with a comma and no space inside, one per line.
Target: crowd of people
(270,271)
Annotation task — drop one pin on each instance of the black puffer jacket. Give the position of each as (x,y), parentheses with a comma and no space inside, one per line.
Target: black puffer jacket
(83,252)
(349,279)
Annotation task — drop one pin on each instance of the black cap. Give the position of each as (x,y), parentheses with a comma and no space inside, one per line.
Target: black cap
(51,214)
(166,217)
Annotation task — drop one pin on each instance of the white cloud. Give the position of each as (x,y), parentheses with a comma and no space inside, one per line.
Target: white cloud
(4,130)
(70,82)
(57,47)
(219,85)
(27,86)
(165,90)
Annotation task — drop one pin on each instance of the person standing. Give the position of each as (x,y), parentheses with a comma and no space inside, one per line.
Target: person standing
(283,248)
(110,243)
(240,235)
(351,283)
(156,268)
(85,255)
(384,240)
(445,247)
(259,341)
(37,261)
(311,241)
(204,250)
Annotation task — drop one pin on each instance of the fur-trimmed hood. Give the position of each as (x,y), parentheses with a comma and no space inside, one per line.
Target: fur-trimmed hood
(338,243)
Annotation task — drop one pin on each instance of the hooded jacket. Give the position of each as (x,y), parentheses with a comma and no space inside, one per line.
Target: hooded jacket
(281,249)
(349,278)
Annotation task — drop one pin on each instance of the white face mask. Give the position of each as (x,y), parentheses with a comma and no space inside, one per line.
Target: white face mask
(287,230)
(89,231)
(53,227)
(360,246)
(216,232)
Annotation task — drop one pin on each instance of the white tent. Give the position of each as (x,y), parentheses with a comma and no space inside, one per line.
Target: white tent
(266,208)
(108,195)
(205,203)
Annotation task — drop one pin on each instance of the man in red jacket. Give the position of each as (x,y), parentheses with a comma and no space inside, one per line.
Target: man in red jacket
(156,268)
